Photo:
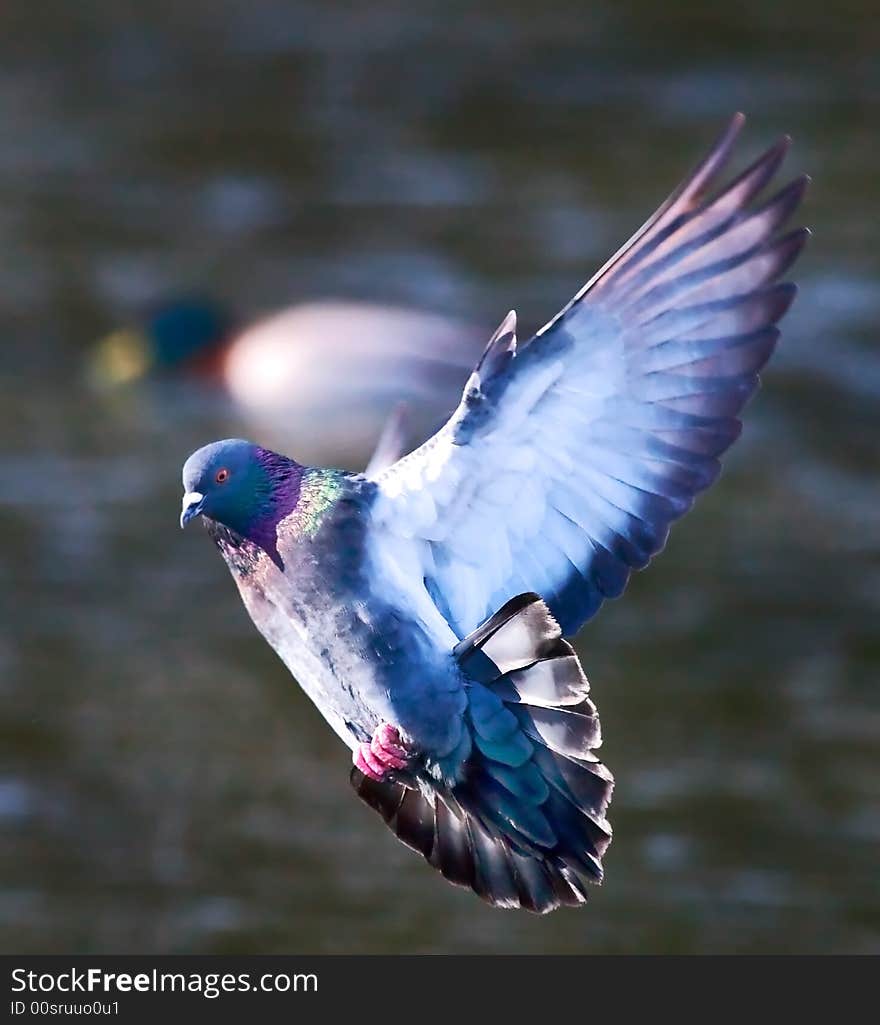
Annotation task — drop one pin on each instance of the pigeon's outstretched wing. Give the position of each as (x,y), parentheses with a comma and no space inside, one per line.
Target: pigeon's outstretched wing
(569,456)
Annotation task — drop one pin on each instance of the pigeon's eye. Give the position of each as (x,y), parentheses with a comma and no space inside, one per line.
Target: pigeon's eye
(222,476)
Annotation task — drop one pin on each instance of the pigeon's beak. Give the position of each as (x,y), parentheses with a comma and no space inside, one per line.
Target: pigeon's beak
(193,503)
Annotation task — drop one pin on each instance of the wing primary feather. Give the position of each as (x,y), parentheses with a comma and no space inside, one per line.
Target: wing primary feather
(712,218)
(681,200)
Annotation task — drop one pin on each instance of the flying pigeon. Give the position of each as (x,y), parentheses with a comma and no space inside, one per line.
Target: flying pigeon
(424,606)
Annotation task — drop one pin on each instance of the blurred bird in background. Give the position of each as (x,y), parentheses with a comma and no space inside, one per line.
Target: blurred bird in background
(423,606)
(291,372)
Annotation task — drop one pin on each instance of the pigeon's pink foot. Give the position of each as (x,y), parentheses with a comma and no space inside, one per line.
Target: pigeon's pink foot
(383,754)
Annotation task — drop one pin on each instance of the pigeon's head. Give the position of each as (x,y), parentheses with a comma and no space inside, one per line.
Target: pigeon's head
(227,481)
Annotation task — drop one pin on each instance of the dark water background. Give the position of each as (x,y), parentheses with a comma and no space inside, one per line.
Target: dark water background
(163,784)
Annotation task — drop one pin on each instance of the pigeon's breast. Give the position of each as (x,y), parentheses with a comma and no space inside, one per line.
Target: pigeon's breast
(364,649)
(313,630)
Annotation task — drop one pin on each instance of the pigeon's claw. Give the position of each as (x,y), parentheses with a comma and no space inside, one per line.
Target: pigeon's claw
(388,747)
(383,754)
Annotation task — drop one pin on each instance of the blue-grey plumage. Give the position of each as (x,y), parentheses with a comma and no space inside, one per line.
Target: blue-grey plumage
(408,599)
(294,538)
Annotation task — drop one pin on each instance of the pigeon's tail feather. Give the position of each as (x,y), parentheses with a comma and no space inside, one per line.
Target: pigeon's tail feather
(525,825)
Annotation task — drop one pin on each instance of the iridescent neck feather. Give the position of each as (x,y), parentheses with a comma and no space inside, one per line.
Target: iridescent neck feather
(288,494)
(318,493)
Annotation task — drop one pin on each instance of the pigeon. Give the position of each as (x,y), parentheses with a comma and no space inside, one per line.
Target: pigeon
(298,366)
(424,607)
